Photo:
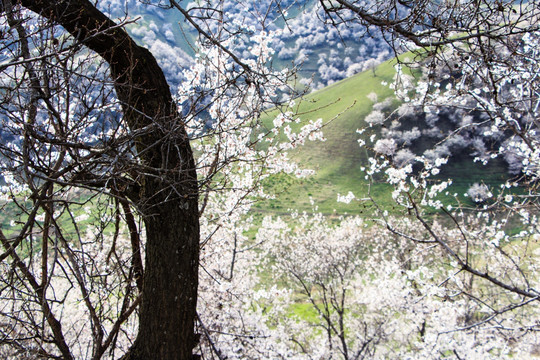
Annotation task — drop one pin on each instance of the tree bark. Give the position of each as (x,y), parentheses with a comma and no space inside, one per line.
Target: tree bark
(166,194)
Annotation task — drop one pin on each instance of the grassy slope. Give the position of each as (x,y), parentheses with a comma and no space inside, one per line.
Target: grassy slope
(337,161)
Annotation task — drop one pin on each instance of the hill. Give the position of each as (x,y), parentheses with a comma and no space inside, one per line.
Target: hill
(338,160)
(299,37)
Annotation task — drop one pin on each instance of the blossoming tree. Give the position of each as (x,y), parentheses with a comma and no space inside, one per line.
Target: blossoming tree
(476,62)
(102,181)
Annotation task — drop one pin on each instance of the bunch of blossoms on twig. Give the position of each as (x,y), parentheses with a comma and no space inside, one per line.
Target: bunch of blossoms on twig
(504,89)
(230,138)
(500,91)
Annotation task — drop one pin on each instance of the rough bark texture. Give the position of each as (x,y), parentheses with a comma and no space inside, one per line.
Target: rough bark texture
(166,195)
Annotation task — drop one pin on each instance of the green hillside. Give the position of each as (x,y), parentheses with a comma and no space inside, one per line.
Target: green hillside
(338,160)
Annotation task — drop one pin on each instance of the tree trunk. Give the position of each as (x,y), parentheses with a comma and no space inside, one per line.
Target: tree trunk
(165,194)
(170,287)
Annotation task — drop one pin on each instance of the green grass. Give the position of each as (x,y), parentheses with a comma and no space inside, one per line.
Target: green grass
(338,160)
(305,311)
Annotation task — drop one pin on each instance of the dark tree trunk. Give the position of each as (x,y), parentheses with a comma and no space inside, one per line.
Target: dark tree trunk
(170,287)
(166,195)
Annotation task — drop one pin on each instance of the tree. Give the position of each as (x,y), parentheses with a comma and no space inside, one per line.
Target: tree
(110,136)
(102,182)
(473,62)
(163,186)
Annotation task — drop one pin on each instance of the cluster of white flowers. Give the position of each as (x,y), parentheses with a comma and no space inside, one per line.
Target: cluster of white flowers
(385,146)
(346,198)
(391,299)
(479,192)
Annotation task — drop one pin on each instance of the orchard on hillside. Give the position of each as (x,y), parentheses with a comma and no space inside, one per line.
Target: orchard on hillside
(131,234)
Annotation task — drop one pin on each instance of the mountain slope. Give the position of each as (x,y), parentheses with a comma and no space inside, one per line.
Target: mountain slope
(338,160)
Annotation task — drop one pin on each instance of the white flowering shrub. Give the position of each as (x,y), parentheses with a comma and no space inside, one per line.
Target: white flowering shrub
(376,117)
(385,146)
(350,289)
